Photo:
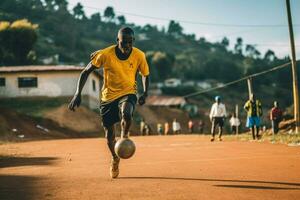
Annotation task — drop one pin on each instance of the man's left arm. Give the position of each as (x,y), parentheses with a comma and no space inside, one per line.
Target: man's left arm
(144,72)
(260,109)
(145,82)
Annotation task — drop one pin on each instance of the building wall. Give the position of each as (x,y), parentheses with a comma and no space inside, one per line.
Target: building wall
(50,84)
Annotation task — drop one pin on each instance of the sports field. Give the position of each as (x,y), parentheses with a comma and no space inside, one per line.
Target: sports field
(164,167)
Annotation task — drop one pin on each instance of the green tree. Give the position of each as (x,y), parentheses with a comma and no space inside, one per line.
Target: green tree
(121,20)
(163,62)
(50,5)
(96,19)
(79,12)
(238,47)
(175,29)
(61,4)
(250,50)
(109,13)
(225,42)
(270,56)
(16,42)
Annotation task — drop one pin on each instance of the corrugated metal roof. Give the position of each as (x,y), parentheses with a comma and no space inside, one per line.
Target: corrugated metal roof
(165,101)
(33,68)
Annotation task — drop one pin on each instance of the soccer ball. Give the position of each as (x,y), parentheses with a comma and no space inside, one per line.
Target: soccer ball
(125,148)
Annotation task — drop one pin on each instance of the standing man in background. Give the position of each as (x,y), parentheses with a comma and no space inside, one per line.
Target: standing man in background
(120,64)
(176,127)
(142,127)
(234,123)
(275,117)
(254,112)
(217,116)
(167,128)
(191,126)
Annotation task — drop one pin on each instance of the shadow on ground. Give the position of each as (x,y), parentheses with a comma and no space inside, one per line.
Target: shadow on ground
(8,161)
(14,187)
(296,186)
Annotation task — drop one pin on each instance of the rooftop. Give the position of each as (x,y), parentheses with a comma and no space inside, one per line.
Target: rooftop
(35,68)
(165,101)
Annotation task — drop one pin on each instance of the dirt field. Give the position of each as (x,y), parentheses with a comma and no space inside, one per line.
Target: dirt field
(172,167)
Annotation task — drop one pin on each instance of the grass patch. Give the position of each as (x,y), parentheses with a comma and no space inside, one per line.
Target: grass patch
(281,138)
(289,139)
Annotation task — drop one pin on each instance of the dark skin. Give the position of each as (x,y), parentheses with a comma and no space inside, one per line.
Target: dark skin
(253,99)
(123,50)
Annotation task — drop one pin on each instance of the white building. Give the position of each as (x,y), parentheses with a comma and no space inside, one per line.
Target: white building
(47,81)
(172,82)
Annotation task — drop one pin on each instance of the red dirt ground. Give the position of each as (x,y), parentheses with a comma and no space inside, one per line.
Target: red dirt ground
(164,167)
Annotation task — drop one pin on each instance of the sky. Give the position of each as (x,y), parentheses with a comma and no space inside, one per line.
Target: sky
(259,22)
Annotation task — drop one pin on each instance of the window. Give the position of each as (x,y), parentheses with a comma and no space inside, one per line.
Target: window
(94,85)
(2,82)
(25,82)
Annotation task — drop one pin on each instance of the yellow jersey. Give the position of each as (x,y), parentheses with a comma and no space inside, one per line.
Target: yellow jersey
(253,108)
(119,76)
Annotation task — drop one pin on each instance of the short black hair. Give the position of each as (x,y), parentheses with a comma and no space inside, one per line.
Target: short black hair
(126,30)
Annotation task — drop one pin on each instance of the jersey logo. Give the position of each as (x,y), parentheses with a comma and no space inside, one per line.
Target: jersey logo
(131,65)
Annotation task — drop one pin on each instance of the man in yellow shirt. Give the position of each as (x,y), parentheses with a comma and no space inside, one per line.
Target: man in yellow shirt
(120,64)
(254,113)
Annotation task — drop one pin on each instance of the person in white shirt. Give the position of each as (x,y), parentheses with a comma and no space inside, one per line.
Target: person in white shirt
(234,123)
(217,116)
(176,127)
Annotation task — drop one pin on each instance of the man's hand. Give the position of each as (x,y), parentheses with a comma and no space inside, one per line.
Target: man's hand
(75,102)
(142,99)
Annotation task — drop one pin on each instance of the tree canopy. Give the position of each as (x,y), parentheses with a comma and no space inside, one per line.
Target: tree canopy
(16,42)
(34,30)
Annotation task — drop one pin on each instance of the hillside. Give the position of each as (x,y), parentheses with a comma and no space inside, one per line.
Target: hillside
(19,127)
(48,118)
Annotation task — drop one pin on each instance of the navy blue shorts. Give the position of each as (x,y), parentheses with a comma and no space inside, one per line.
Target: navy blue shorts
(111,111)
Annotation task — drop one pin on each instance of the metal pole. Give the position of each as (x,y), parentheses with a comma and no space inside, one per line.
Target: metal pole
(250,89)
(294,68)
(237,116)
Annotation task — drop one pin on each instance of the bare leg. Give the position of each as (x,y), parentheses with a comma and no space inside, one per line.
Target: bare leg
(213,127)
(126,118)
(220,132)
(111,140)
(253,132)
(257,132)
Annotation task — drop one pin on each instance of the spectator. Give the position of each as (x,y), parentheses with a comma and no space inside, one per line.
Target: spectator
(217,116)
(142,127)
(147,129)
(254,112)
(201,126)
(191,126)
(167,128)
(275,117)
(176,126)
(159,129)
(234,123)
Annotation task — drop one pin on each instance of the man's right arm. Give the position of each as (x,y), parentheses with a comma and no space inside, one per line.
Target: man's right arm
(75,102)
(246,106)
